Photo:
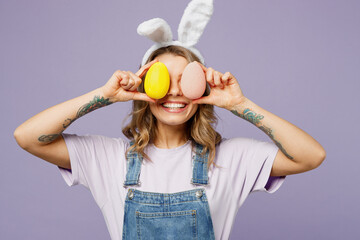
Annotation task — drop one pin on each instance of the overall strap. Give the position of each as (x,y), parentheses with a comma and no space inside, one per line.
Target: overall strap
(200,168)
(133,167)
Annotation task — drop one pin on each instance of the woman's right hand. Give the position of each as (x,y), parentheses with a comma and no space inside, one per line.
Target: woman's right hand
(122,86)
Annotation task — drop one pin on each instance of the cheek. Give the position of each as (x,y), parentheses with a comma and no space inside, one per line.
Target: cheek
(152,108)
(193,110)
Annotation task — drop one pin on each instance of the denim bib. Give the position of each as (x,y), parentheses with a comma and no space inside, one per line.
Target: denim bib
(181,215)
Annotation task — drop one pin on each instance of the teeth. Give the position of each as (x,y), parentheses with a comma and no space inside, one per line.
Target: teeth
(173,105)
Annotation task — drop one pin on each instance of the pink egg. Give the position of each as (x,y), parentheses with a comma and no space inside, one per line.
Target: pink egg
(193,82)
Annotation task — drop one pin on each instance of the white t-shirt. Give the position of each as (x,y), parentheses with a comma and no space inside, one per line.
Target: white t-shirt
(99,164)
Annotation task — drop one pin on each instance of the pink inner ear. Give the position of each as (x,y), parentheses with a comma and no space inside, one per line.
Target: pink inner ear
(193,82)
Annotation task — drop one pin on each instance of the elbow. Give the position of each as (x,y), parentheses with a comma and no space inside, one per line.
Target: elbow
(17,136)
(20,138)
(319,159)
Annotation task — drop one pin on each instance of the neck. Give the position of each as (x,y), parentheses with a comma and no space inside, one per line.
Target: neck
(168,136)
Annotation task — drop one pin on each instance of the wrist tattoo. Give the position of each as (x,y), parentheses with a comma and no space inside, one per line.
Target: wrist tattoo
(256,120)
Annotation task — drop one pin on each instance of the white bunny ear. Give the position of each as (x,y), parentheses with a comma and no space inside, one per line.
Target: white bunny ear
(196,15)
(156,29)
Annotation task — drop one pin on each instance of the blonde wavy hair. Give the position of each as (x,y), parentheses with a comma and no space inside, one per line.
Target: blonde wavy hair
(200,127)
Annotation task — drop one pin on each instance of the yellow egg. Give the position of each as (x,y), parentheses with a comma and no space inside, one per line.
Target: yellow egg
(157,81)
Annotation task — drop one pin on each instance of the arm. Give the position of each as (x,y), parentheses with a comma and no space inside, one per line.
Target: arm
(299,151)
(41,134)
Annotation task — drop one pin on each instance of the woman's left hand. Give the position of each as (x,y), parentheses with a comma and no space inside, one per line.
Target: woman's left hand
(225,90)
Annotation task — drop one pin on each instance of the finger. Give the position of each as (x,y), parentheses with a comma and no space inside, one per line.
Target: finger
(126,83)
(136,80)
(131,84)
(143,97)
(217,80)
(118,77)
(124,79)
(209,77)
(224,79)
(131,81)
(232,79)
(146,67)
(202,100)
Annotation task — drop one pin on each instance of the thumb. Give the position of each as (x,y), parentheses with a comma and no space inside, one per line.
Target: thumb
(143,97)
(202,100)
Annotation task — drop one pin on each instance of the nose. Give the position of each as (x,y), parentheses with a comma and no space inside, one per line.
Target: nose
(174,88)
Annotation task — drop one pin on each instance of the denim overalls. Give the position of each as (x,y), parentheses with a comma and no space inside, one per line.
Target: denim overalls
(181,215)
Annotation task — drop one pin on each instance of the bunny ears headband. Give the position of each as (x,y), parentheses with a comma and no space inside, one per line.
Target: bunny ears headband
(193,22)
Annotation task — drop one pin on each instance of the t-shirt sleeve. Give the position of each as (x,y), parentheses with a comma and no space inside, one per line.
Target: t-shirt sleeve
(92,157)
(258,167)
(245,167)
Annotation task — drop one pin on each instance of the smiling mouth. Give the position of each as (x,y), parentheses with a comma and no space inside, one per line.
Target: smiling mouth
(173,106)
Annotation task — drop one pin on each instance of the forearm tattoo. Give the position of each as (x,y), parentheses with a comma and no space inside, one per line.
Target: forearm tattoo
(256,120)
(94,104)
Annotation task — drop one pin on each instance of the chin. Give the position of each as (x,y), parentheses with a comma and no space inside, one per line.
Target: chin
(172,122)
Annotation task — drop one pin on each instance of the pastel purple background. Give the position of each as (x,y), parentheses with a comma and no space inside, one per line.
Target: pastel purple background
(297,59)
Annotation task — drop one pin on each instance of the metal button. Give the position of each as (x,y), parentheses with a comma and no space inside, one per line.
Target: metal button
(199,194)
(131,195)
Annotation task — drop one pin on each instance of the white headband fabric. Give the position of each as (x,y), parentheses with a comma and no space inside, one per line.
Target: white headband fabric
(193,22)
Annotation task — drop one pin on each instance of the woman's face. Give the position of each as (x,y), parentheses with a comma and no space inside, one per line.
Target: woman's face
(173,109)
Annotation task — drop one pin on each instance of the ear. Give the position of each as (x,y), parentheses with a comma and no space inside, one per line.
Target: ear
(196,16)
(156,29)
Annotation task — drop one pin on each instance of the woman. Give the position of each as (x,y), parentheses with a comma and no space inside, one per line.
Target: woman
(191,182)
